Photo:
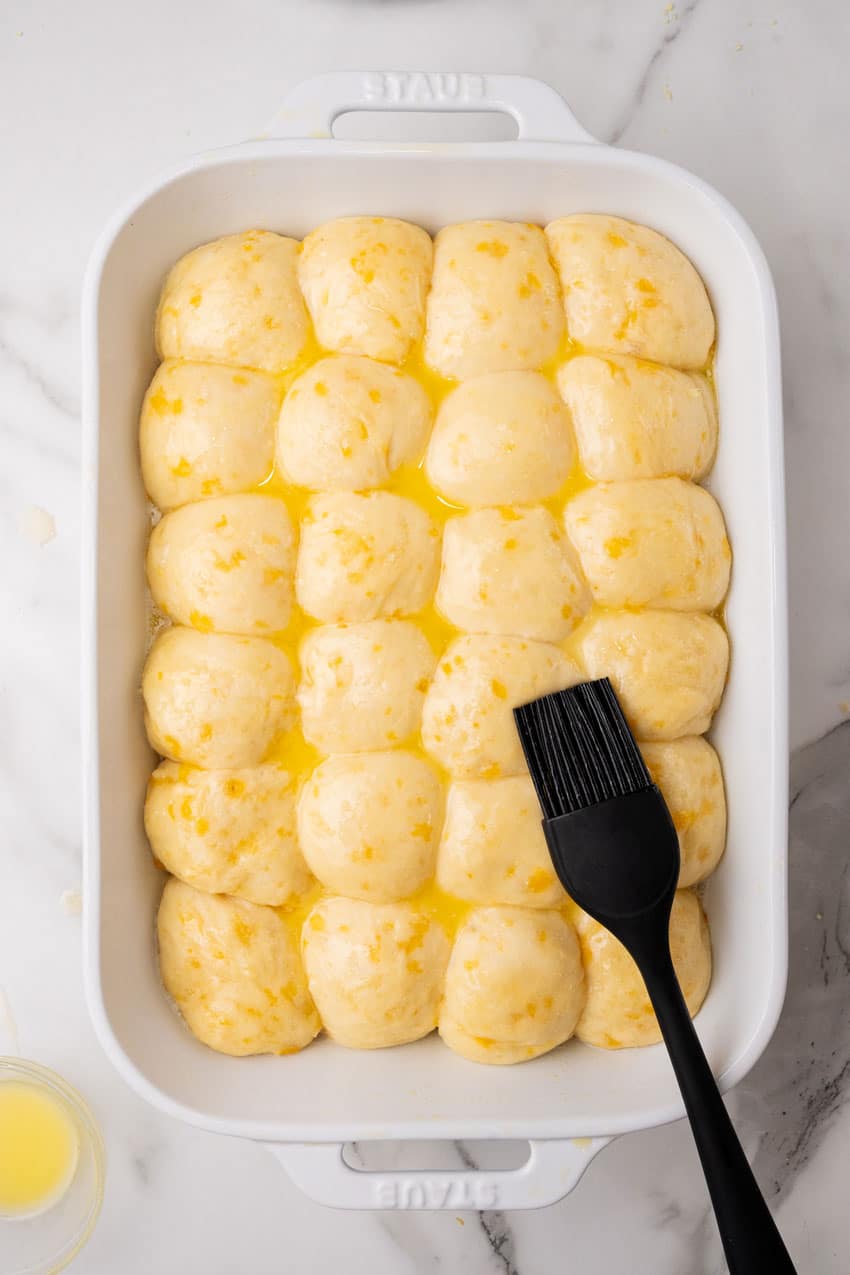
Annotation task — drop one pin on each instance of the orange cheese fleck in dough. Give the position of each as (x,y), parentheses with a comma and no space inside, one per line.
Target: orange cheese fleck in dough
(493,247)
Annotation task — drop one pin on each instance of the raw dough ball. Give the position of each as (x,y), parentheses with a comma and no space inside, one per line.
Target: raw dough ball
(493,849)
(514,985)
(467,719)
(362,685)
(688,773)
(365,280)
(362,557)
(668,669)
(235,300)
(618,1013)
(206,431)
(629,290)
(234,972)
(375,970)
(214,700)
(511,571)
(369,824)
(494,304)
(347,424)
(635,419)
(657,542)
(501,439)
(226,565)
(227,831)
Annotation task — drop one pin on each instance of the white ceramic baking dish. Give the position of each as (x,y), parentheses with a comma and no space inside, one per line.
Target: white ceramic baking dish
(570,1102)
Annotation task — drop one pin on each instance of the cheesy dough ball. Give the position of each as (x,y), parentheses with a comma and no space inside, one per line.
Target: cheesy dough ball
(467,719)
(635,419)
(514,986)
(369,824)
(629,290)
(492,849)
(225,564)
(668,670)
(234,972)
(347,424)
(688,773)
(501,439)
(618,1013)
(214,700)
(375,971)
(364,556)
(657,542)
(227,831)
(362,685)
(365,280)
(206,431)
(494,304)
(511,571)
(235,300)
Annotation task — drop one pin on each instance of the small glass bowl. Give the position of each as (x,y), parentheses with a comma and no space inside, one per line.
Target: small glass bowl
(44,1243)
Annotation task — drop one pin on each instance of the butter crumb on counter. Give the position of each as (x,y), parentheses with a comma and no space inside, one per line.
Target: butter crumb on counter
(37,525)
(71,902)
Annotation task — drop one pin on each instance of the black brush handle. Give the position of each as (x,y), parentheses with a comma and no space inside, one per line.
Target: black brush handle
(751,1242)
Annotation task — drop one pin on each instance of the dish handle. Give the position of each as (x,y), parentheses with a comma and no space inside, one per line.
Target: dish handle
(311,107)
(552,1169)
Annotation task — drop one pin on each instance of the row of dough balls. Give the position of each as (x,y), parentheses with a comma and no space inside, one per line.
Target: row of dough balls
(347,423)
(379,826)
(515,983)
(219,701)
(485,296)
(230,565)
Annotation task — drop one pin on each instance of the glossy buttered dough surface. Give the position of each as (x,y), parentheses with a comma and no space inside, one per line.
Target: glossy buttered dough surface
(511,571)
(206,430)
(628,290)
(216,700)
(365,280)
(494,304)
(501,439)
(366,555)
(225,565)
(441,479)
(235,301)
(228,831)
(636,419)
(492,848)
(514,985)
(375,970)
(668,669)
(688,773)
(234,972)
(651,543)
(347,424)
(369,824)
(363,685)
(467,718)
(617,1012)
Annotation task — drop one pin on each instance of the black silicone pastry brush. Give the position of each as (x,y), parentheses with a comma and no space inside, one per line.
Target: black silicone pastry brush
(616,852)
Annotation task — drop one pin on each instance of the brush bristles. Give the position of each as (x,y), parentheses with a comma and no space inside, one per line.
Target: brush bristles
(579,748)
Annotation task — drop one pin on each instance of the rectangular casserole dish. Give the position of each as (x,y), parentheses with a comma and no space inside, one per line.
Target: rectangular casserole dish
(310,1104)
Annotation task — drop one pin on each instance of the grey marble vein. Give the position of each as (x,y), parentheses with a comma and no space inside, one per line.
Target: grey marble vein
(495,1226)
(803,1080)
(35,375)
(676,22)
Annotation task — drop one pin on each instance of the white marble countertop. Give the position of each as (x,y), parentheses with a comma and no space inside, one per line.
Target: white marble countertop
(97,97)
